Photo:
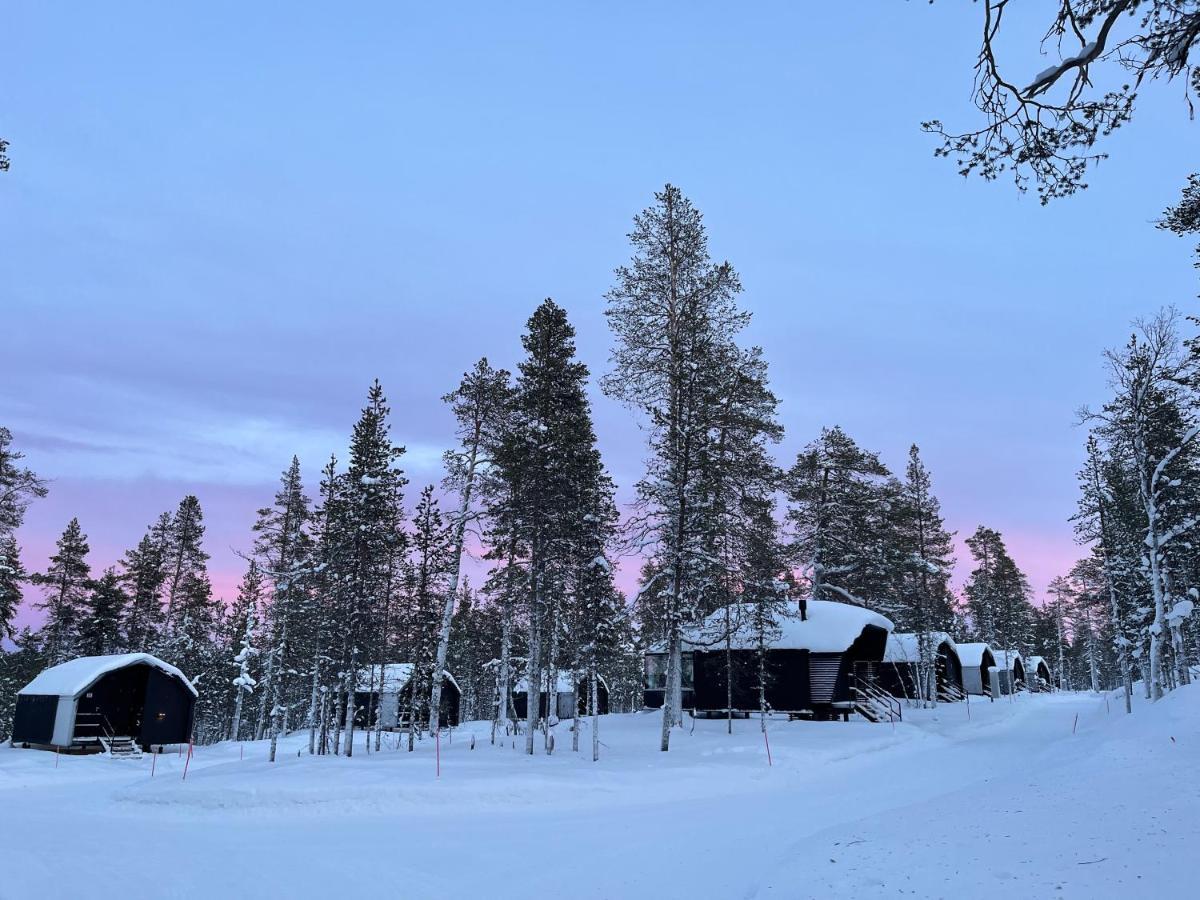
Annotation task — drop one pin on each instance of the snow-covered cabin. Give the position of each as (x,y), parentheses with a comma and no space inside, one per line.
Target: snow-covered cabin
(1037,674)
(898,673)
(978,660)
(1010,671)
(386,691)
(812,659)
(83,703)
(569,695)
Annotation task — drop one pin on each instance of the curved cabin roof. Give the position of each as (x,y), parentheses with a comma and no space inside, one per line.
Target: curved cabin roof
(829,628)
(906,648)
(1014,659)
(73,678)
(395,678)
(1038,664)
(972,654)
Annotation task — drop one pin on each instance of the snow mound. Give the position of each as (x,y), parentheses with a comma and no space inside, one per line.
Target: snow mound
(72,678)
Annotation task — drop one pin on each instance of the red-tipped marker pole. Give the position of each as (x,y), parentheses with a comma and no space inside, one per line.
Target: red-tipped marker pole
(768,743)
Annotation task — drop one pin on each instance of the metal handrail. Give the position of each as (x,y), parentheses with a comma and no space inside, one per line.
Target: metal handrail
(878,696)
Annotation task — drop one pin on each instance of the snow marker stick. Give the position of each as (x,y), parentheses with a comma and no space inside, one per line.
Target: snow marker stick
(241,751)
(187,761)
(153,762)
(437,738)
(1076,725)
(768,743)
(56,757)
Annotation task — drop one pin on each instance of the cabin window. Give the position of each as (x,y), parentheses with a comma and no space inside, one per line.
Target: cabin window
(656,671)
(161,717)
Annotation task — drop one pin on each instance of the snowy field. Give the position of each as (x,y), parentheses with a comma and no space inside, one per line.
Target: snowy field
(1008,803)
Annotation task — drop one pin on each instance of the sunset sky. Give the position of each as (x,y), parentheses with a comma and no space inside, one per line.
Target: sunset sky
(222,222)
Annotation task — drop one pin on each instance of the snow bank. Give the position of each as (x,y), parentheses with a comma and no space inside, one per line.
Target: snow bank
(70,679)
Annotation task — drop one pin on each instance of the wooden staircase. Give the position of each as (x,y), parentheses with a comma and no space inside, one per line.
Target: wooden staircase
(875,704)
(950,693)
(121,747)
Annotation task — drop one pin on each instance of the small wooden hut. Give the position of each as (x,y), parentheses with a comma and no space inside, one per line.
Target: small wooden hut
(899,671)
(98,703)
(978,660)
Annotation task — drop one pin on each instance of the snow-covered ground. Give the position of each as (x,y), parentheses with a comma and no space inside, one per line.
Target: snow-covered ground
(1008,803)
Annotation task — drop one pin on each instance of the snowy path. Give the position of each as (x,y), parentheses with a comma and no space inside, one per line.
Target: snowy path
(1007,804)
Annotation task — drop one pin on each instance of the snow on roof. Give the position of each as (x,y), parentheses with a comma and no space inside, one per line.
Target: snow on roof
(907,647)
(1034,661)
(1013,658)
(72,678)
(565,683)
(395,677)
(831,627)
(972,654)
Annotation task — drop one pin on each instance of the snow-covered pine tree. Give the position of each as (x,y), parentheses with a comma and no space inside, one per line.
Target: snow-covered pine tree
(103,612)
(17,669)
(12,576)
(144,577)
(283,549)
(65,584)
(1151,423)
(1098,522)
(480,405)
(373,485)
(674,316)
(19,486)
(924,560)
(241,637)
(997,595)
(836,493)
(766,585)
(431,571)
(184,558)
(542,460)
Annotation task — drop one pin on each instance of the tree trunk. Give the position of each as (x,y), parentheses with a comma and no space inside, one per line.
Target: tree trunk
(594,700)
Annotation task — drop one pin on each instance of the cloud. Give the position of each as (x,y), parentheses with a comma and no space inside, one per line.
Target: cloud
(150,438)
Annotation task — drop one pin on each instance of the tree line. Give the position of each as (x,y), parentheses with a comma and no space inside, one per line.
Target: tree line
(369,573)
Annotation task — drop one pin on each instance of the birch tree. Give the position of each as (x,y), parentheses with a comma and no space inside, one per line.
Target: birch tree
(479,404)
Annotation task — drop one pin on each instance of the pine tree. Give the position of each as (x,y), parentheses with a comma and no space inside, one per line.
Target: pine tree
(12,576)
(998,597)
(836,492)
(368,541)
(1151,424)
(923,559)
(242,630)
(283,549)
(66,585)
(431,568)
(674,316)
(144,578)
(544,458)
(100,625)
(184,560)
(19,486)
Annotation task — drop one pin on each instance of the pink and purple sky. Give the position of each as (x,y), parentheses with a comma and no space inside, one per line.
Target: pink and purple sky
(222,222)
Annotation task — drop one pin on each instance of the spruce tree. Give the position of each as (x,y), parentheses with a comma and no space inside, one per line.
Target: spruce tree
(998,597)
(283,550)
(836,491)
(144,578)
(19,486)
(65,585)
(100,625)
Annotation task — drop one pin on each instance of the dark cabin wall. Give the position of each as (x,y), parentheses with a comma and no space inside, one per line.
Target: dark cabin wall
(170,709)
(114,704)
(33,721)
